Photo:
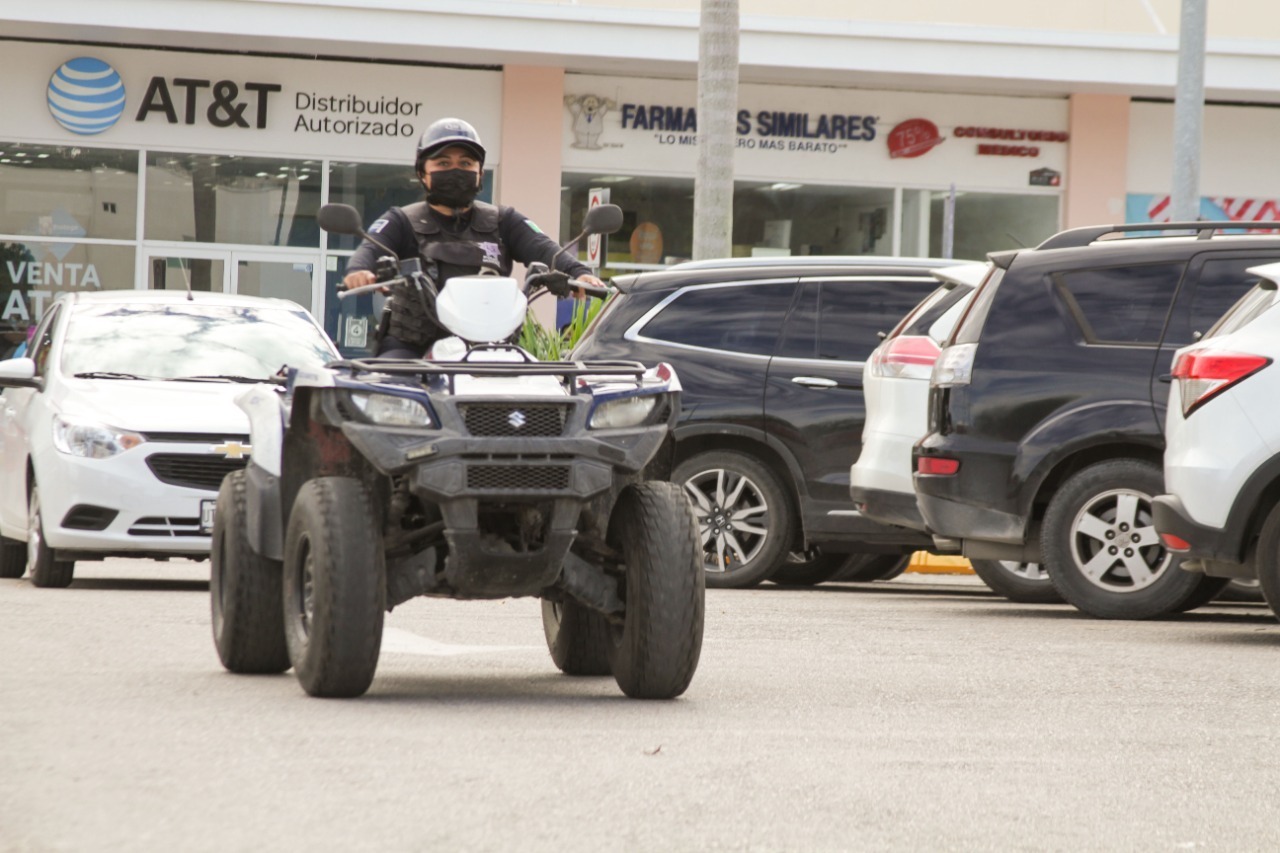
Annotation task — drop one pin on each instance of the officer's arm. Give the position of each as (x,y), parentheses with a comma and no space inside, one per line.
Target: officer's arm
(394,231)
(528,244)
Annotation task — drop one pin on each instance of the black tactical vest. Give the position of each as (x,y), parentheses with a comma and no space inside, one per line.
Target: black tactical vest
(451,254)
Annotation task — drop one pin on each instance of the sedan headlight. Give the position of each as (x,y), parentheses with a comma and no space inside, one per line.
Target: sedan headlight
(91,440)
(391,410)
(627,412)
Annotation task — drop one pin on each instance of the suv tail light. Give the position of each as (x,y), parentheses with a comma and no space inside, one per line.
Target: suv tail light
(906,357)
(1203,374)
(954,366)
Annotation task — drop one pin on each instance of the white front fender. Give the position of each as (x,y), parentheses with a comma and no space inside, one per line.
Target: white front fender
(265,409)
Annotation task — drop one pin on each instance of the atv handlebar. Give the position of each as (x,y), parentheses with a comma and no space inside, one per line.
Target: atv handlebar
(577,283)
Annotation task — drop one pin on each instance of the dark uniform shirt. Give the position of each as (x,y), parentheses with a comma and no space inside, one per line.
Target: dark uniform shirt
(522,239)
(502,234)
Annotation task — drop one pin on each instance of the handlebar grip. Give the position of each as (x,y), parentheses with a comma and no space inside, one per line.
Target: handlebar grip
(365,288)
(590,289)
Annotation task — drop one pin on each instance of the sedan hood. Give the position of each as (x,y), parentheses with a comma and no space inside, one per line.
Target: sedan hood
(156,406)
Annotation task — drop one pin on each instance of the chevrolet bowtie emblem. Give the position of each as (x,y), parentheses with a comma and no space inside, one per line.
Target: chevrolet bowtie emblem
(233,449)
(516,419)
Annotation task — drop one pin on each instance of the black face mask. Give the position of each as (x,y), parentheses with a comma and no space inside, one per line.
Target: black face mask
(453,188)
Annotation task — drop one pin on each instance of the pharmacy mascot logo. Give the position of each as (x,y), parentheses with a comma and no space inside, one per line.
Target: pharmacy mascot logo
(86,95)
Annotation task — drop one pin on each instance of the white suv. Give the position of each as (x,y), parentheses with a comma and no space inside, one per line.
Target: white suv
(1222,457)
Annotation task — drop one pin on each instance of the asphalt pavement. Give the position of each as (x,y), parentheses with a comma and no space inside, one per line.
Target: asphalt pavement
(918,714)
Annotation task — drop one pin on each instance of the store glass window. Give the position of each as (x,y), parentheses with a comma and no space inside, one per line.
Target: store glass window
(68,191)
(769,218)
(989,222)
(373,188)
(33,274)
(213,198)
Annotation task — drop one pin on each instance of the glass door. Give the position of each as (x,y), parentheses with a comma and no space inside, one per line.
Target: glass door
(187,269)
(293,277)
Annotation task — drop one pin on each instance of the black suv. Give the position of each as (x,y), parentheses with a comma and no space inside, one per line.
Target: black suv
(1047,409)
(770,354)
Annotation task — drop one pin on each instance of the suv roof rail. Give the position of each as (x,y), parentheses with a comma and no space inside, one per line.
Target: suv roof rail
(1073,237)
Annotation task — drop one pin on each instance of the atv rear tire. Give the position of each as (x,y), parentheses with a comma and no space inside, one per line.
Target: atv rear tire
(334,587)
(577,637)
(654,653)
(246,590)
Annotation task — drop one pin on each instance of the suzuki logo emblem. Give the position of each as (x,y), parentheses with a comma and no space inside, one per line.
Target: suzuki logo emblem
(516,419)
(233,449)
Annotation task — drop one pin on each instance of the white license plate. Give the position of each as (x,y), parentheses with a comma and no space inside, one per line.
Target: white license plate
(206,515)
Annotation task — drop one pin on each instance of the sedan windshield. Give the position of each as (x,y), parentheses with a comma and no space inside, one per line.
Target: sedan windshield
(212,342)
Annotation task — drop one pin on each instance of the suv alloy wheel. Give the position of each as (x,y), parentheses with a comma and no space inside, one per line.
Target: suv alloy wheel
(1101,548)
(745,521)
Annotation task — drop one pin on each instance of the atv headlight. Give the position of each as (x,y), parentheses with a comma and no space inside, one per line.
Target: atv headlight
(391,410)
(627,412)
(91,440)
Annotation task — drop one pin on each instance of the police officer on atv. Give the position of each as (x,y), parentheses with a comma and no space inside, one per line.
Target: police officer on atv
(445,230)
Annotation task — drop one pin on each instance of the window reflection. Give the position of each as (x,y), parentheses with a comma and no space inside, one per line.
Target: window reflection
(373,188)
(255,201)
(173,341)
(68,191)
(33,274)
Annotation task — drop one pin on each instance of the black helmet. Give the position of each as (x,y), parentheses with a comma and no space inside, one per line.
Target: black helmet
(445,132)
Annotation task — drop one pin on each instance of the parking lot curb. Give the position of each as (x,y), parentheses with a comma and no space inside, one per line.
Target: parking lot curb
(922,562)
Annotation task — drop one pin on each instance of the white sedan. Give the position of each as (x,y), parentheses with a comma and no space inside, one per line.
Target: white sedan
(116,432)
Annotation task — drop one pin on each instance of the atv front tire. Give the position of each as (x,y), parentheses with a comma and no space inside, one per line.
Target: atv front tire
(654,653)
(334,587)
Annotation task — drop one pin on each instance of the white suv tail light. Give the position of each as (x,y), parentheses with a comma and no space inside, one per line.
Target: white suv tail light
(1203,374)
(954,366)
(906,357)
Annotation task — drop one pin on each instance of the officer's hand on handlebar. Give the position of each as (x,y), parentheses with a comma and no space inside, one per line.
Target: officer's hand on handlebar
(555,281)
(359,278)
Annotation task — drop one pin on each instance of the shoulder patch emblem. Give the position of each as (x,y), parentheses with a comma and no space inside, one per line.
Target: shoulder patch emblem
(533,225)
(377,226)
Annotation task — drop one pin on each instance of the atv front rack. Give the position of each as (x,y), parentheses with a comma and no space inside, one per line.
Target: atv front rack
(450,369)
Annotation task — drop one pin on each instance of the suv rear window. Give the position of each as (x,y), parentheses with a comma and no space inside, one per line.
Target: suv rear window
(742,318)
(936,315)
(1120,305)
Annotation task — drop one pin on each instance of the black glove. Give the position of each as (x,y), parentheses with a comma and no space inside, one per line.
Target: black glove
(555,281)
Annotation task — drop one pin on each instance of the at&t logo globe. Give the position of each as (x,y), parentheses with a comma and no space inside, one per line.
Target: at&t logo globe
(86,95)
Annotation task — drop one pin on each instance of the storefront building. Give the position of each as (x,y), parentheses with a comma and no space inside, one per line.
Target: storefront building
(180,154)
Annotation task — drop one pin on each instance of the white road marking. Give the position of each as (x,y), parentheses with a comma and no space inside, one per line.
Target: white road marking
(399,641)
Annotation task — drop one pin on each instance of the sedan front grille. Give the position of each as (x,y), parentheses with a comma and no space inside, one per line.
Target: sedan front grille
(504,419)
(193,470)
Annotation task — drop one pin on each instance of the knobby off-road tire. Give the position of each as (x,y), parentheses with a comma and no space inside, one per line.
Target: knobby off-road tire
(334,587)
(246,590)
(1101,548)
(744,516)
(1268,560)
(654,653)
(577,637)
(13,558)
(45,571)
(1025,583)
